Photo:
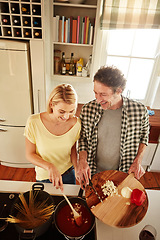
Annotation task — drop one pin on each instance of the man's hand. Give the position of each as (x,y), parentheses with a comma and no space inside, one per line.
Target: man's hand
(137,169)
(83,172)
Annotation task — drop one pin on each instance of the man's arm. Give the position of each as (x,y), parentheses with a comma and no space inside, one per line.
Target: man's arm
(136,166)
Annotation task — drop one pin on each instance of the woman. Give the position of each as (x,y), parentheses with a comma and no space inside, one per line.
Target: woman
(51,138)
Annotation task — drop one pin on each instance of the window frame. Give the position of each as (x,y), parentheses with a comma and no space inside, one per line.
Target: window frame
(103,37)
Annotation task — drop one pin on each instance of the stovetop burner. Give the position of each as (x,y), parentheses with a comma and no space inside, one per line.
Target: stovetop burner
(10,232)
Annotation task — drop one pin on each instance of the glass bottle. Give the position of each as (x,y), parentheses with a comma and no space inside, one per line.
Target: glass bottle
(72,65)
(16,21)
(63,65)
(5,21)
(9,33)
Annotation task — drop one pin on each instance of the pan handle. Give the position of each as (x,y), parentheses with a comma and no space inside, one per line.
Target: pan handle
(38,186)
(80,193)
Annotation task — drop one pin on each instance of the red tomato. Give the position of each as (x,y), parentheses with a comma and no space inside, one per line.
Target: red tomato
(138,197)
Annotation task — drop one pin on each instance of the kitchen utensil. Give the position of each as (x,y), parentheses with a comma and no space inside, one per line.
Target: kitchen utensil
(116,210)
(77,216)
(76,232)
(91,184)
(41,196)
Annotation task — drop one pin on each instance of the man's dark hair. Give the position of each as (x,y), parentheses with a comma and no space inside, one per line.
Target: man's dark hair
(111,77)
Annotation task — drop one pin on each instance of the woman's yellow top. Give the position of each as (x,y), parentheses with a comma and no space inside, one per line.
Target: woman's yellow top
(52,148)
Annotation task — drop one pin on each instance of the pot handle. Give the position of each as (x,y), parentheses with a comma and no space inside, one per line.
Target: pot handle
(27,235)
(37,186)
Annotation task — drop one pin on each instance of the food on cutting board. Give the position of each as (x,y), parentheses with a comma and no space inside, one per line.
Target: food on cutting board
(138,197)
(109,188)
(126,192)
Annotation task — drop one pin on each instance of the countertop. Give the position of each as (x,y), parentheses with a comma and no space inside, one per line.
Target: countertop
(103,231)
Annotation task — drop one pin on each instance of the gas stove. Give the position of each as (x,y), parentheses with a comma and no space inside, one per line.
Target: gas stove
(10,232)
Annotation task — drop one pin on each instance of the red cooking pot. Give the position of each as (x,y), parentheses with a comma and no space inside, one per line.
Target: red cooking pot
(64,220)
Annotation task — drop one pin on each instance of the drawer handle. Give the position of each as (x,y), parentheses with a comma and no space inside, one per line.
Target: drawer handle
(3,130)
(2,120)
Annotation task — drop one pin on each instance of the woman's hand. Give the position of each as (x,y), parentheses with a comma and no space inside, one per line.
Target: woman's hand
(55,176)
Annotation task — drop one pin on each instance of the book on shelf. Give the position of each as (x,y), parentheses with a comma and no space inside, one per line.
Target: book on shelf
(66,30)
(84,31)
(91,36)
(74,31)
(60,31)
(57,27)
(54,26)
(87,27)
(89,32)
(78,30)
(71,23)
(63,30)
(68,37)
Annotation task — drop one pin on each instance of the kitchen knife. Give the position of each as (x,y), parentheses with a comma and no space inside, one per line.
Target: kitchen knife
(91,184)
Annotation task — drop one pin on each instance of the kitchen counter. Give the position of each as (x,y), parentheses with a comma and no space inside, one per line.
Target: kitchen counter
(103,231)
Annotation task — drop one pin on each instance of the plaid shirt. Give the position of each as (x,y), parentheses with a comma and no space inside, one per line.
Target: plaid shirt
(134,130)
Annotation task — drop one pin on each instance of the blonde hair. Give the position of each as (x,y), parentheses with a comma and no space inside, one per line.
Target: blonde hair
(62,92)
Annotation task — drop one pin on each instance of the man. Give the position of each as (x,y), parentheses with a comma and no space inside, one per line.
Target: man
(114,130)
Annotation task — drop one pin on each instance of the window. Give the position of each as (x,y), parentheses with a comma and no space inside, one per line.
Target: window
(136,54)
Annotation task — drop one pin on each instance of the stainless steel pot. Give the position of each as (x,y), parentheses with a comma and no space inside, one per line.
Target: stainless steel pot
(41,229)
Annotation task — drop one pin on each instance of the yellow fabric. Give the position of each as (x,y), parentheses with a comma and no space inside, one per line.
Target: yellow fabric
(52,148)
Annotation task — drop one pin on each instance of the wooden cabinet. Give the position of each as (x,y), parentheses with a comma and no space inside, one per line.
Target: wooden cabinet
(155,165)
(148,155)
(21,19)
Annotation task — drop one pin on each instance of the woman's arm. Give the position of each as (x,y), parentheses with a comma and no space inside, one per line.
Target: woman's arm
(54,175)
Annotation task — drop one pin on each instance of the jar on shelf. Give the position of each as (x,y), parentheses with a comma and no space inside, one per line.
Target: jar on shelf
(56,64)
(57,59)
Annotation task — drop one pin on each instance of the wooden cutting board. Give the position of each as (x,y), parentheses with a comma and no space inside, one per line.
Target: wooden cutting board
(115,210)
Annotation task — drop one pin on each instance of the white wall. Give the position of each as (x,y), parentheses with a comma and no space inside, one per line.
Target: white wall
(156,100)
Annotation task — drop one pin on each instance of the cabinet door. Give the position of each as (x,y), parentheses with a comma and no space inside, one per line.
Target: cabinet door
(15,85)
(155,166)
(148,155)
(12,150)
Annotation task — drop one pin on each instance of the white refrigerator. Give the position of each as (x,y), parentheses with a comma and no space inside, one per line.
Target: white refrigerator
(16,101)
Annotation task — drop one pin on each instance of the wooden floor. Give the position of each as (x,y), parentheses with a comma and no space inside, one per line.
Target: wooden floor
(149,180)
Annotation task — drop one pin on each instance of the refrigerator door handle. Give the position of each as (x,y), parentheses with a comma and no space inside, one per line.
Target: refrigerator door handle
(2,119)
(3,130)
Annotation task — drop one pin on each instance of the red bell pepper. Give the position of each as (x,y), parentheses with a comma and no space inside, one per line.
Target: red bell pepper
(138,197)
